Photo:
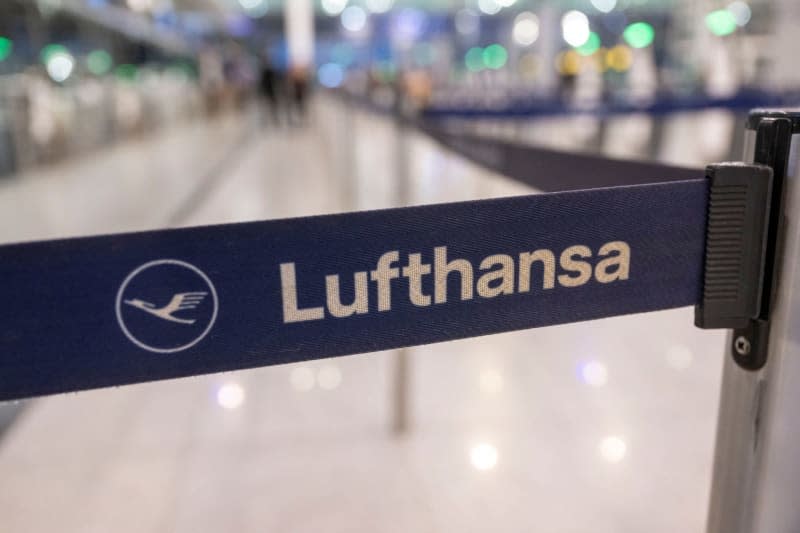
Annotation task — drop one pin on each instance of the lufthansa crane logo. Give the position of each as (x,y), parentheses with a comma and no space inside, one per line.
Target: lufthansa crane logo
(179,302)
(166,306)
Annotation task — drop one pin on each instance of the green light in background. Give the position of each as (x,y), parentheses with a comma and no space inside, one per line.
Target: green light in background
(494,56)
(182,69)
(6,46)
(639,35)
(48,51)
(721,22)
(126,72)
(99,62)
(591,45)
(474,59)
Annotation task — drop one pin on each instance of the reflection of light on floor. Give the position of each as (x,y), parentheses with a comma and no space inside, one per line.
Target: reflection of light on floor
(302,378)
(679,357)
(594,373)
(329,377)
(230,396)
(483,456)
(613,449)
(490,381)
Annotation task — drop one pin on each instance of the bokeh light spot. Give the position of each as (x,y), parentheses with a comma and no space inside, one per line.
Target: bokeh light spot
(594,373)
(483,456)
(6,47)
(490,7)
(330,75)
(721,22)
(591,45)
(230,396)
(604,6)
(619,58)
(354,18)
(60,66)
(379,6)
(741,12)
(467,21)
(639,34)
(126,72)
(568,63)
(526,29)
(494,56)
(99,62)
(613,449)
(575,28)
(333,7)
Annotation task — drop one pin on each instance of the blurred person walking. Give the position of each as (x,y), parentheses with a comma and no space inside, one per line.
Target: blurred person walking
(271,87)
(298,94)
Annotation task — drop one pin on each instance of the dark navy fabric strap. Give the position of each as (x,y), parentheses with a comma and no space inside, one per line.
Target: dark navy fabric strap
(545,169)
(101,311)
(533,108)
(553,170)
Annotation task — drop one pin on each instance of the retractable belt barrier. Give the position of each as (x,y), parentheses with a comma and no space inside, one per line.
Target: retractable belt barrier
(551,170)
(111,310)
(532,107)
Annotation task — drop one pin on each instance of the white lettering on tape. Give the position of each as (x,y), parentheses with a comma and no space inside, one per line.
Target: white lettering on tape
(496,275)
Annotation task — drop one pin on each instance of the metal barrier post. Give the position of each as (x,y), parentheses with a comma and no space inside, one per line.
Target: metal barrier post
(402,357)
(756,475)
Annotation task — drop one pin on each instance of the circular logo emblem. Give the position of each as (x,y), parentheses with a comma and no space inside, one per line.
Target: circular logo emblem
(166,306)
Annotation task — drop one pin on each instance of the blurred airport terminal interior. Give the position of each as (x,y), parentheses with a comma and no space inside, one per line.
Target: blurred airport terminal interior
(133,115)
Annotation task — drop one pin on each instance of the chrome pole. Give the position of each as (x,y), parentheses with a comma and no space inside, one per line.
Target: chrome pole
(756,473)
(401,397)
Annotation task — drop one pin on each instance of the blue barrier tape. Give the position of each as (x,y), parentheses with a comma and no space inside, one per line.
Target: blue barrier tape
(93,312)
(742,101)
(553,170)
(538,107)
(544,169)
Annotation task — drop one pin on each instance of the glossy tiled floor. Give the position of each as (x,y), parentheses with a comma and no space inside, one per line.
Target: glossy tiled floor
(604,426)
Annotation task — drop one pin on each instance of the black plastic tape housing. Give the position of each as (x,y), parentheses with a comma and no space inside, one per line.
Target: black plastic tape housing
(736,244)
